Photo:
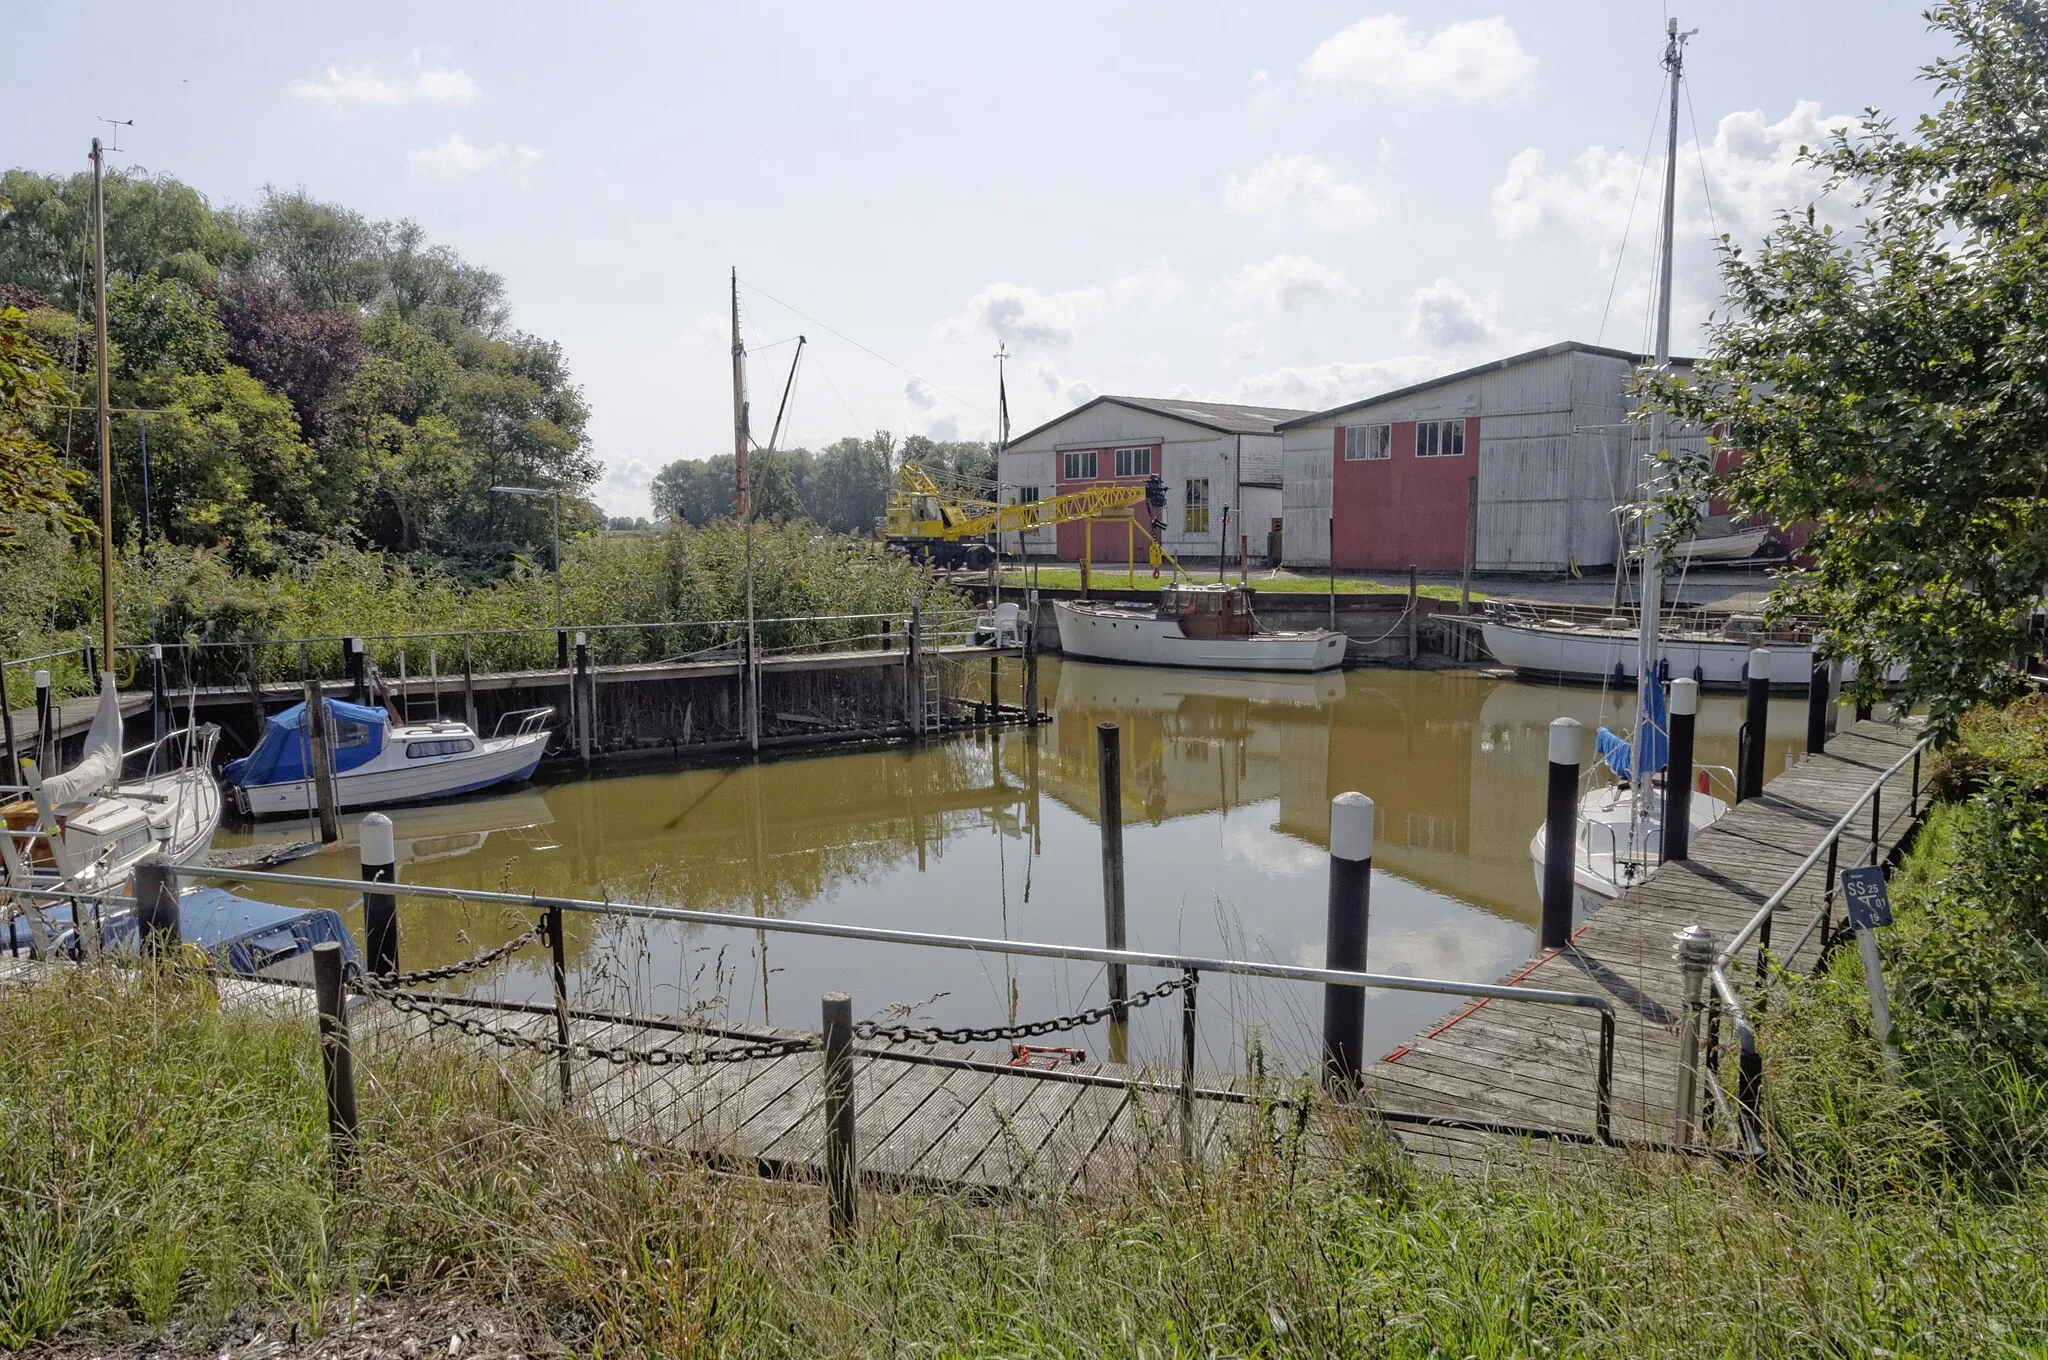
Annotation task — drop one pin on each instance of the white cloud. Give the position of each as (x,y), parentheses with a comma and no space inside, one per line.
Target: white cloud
(363,87)
(1322,386)
(1442,315)
(455,157)
(1072,391)
(1751,171)
(624,488)
(1023,315)
(1300,186)
(1287,282)
(921,395)
(1472,61)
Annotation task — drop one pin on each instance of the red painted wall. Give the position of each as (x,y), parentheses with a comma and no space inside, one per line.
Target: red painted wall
(1402,510)
(1115,539)
(1790,537)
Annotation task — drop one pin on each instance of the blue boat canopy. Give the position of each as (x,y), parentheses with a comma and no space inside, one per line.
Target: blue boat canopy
(1654,731)
(285,755)
(243,935)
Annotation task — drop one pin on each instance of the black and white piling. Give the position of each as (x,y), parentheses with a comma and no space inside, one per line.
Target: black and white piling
(43,718)
(157,709)
(1819,697)
(1560,833)
(1685,706)
(354,664)
(379,854)
(1351,828)
(1749,781)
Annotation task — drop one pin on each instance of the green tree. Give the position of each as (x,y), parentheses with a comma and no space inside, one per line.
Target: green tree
(694,490)
(154,223)
(156,322)
(33,485)
(1889,382)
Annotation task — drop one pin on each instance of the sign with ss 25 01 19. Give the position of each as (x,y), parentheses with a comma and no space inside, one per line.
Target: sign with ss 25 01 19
(1863,890)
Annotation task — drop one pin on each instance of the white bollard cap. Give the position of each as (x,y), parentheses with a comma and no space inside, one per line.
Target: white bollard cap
(376,842)
(579,639)
(1760,664)
(1564,741)
(42,679)
(156,651)
(1685,697)
(1351,826)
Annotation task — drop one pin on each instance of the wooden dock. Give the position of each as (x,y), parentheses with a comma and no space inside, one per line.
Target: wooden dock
(1536,1064)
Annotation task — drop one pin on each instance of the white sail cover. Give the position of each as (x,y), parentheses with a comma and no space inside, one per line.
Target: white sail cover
(100,763)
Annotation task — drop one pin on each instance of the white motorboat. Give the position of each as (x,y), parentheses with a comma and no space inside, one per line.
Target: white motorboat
(1736,546)
(1208,627)
(1606,651)
(90,826)
(379,763)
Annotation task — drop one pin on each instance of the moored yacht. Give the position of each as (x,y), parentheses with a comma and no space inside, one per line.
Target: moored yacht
(1208,626)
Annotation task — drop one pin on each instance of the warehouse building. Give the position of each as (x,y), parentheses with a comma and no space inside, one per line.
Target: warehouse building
(1524,459)
(1221,465)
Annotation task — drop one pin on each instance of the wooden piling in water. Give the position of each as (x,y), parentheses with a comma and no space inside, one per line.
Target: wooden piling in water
(841,1157)
(320,734)
(336,1063)
(1109,769)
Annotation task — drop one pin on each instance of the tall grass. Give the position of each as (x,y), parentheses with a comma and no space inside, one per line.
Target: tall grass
(165,1165)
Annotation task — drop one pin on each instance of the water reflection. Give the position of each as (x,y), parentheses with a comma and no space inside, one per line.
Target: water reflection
(1226,788)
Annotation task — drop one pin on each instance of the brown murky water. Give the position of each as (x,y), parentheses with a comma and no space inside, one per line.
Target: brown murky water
(1226,788)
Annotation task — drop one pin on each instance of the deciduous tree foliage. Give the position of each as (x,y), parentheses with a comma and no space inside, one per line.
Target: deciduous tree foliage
(32,483)
(1890,380)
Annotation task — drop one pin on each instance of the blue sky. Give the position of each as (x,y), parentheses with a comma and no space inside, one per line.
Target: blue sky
(1291,204)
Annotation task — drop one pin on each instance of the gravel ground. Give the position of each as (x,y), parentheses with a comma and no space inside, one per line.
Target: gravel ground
(381,1329)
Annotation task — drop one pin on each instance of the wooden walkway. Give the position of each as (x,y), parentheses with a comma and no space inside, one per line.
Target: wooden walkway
(1532,1064)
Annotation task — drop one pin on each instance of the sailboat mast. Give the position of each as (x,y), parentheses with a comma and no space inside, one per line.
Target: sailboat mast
(1647,649)
(99,296)
(749,685)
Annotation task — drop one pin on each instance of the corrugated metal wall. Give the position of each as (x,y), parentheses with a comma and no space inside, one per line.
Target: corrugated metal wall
(1305,496)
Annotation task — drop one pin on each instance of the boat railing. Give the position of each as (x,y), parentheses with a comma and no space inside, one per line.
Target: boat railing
(199,741)
(525,722)
(1189,967)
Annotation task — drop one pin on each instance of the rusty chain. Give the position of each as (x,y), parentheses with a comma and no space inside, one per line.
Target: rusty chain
(989,1034)
(472,964)
(438,1015)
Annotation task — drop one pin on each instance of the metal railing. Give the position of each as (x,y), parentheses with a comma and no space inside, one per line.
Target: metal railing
(1718,998)
(1189,966)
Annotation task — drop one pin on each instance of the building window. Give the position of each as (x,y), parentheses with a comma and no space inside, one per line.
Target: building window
(1439,439)
(1196,520)
(1026,494)
(1134,462)
(1078,466)
(1368,443)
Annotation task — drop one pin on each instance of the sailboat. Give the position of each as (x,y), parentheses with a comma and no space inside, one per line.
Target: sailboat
(1621,808)
(88,827)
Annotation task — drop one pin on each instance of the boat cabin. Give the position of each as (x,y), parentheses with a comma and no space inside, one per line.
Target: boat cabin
(1209,611)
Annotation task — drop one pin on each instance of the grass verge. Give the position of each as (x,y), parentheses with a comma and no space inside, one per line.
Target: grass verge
(1110,579)
(165,1172)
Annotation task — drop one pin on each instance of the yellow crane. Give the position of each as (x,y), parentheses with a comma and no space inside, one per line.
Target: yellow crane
(934,526)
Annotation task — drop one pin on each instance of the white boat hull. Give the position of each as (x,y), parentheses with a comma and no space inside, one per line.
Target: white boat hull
(392,778)
(1735,547)
(1616,850)
(1597,655)
(1106,633)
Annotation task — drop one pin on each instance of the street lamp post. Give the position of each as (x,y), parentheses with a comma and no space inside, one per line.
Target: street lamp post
(554,496)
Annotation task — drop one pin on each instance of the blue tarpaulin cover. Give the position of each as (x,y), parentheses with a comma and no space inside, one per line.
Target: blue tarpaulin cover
(1655,731)
(285,753)
(243,934)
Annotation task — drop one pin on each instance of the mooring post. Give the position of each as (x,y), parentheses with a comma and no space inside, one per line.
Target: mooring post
(1187,1065)
(321,734)
(1560,834)
(358,672)
(1694,953)
(156,695)
(1414,606)
(1351,829)
(1031,657)
(1333,573)
(7,717)
(995,688)
(583,698)
(1818,697)
(157,927)
(1685,706)
(841,1188)
(558,957)
(1109,775)
(469,687)
(1755,718)
(255,693)
(561,649)
(335,1061)
(378,850)
(43,719)
(1863,709)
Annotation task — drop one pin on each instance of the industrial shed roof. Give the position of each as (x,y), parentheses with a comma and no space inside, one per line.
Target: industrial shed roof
(1495,366)
(1210,415)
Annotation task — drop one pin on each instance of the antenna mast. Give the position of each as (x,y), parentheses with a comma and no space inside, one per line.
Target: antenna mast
(99,297)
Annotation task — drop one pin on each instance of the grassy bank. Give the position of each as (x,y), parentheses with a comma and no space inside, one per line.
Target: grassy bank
(1118,578)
